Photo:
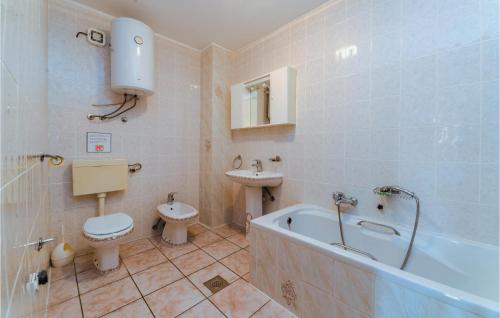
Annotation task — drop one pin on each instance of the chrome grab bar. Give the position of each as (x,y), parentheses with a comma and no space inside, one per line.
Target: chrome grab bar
(360,223)
(355,250)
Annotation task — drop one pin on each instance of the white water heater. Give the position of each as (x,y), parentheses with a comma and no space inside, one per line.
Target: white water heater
(132,57)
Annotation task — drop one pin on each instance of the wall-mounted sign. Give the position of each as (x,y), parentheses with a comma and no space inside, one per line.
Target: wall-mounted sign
(98,142)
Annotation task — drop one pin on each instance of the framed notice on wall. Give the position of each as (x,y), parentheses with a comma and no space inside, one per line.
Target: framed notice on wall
(98,142)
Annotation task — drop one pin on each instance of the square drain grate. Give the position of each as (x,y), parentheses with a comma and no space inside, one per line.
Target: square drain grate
(215,284)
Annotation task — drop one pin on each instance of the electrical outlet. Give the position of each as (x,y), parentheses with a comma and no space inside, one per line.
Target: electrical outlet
(96,37)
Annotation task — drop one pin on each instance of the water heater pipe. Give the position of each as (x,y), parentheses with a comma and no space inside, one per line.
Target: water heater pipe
(101,198)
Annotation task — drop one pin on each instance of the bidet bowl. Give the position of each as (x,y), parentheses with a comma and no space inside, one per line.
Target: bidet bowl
(177,216)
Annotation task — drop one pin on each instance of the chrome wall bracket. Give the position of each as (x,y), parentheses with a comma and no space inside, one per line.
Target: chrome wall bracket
(40,243)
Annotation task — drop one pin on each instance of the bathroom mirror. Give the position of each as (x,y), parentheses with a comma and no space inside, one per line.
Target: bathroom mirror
(268,100)
(259,102)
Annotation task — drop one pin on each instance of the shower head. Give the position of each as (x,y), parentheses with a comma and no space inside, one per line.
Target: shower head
(394,191)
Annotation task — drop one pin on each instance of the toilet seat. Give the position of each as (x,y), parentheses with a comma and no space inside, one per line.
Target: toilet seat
(108,227)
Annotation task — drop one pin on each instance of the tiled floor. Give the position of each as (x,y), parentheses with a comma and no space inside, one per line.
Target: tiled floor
(158,280)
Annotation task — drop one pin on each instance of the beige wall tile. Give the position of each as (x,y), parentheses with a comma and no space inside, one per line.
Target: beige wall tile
(23,180)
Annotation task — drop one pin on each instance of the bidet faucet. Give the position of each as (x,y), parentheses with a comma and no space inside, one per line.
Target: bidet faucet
(170,198)
(257,165)
(341,198)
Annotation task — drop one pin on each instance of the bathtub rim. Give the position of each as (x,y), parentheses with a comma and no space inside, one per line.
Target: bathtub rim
(447,294)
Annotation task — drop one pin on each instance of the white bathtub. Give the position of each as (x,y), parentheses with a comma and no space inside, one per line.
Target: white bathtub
(460,276)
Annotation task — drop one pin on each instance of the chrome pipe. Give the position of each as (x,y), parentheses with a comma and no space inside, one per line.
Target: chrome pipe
(355,250)
(405,194)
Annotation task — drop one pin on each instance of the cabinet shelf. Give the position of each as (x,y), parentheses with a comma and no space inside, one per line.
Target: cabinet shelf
(265,101)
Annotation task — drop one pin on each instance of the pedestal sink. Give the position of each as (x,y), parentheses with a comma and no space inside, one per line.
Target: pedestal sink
(253,182)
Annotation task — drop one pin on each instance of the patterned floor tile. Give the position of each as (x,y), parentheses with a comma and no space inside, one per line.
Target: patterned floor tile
(238,262)
(109,298)
(137,309)
(226,230)
(156,277)
(220,249)
(239,239)
(204,309)
(191,262)
(69,308)
(84,262)
(57,273)
(62,290)
(273,310)
(174,299)
(240,299)
(143,260)
(135,247)
(205,238)
(92,279)
(196,229)
(172,252)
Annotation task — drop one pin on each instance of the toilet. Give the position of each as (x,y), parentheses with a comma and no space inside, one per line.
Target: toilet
(104,232)
(177,217)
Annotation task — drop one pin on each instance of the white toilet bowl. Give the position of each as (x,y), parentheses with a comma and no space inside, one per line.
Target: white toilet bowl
(105,234)
(177,216)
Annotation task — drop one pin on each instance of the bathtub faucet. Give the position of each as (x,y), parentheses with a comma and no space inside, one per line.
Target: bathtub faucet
(341,198)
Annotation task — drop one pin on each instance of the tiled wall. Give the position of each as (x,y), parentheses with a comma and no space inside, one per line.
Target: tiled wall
(24,189)
(389,92)
(216,206)
(162,132)
(330,287)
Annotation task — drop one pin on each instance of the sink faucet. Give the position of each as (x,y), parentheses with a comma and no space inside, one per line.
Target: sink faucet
(257,165)
(170,199)
(341,198)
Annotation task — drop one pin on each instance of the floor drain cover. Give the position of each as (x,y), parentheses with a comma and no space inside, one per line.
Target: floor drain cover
(215,284)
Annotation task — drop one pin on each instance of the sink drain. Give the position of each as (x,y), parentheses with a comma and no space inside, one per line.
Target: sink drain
(215,284)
